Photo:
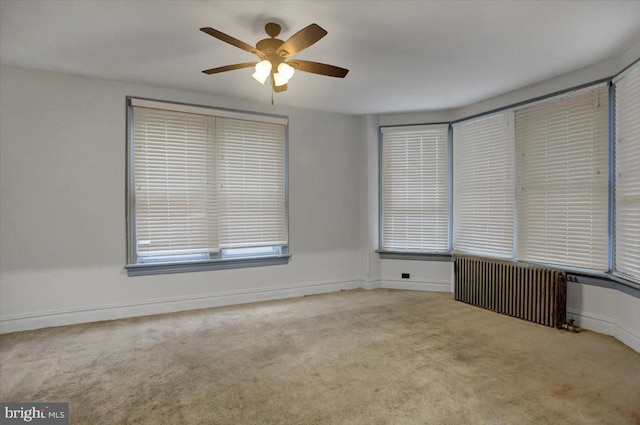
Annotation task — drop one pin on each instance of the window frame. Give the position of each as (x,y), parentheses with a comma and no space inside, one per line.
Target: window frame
(633,69)
(609,278)
(559,110)
(141,266)
(436,255)
(474,126)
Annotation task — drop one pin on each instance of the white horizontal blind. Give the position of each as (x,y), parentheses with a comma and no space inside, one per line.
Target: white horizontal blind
(251,178)
(205,110)
(562,181)
(174,170)
(484,197)
(627,181)
(415,188)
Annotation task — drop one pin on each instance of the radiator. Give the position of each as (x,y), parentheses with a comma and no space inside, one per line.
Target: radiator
(531,293)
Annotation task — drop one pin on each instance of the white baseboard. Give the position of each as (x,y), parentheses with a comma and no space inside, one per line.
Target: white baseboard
(96,313)
(593,322)
(22,322)
(370,284)
(605,325)
(45,319)
(628,337)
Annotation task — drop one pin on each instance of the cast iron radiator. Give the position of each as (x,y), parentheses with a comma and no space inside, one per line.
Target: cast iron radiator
(531,293)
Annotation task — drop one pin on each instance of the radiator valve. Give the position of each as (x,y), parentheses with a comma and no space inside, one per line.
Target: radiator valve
(570,326)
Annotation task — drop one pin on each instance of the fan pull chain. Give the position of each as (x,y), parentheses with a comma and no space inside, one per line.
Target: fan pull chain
(271,95)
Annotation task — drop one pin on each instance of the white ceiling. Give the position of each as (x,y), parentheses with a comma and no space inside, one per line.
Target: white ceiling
(402,55)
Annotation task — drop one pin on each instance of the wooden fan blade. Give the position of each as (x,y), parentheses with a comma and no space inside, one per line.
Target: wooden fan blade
(279,89)
(233,41)
(319,68)
(301,40)
(229,67)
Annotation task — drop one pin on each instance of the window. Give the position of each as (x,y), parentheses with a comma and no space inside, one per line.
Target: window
(627,180)
(253,209)
(550,182)
(483,191)
(562,180)
(415,175)
(205,186)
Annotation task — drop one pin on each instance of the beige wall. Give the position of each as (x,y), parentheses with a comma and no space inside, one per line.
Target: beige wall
(601,309)
(62,206)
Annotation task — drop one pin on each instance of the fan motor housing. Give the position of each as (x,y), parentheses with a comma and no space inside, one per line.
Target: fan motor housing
(269,45)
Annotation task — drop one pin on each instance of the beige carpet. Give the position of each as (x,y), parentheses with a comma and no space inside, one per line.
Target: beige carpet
(355,357)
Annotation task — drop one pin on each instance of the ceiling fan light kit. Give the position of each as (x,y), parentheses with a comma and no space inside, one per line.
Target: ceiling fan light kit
(263,70)
(274,55)
(284,74)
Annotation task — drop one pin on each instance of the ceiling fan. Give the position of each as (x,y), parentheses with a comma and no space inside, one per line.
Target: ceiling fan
(275,55)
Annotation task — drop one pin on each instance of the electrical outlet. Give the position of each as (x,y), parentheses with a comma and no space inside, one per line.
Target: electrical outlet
(405,275)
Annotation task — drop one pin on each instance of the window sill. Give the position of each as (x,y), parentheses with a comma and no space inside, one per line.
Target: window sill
(420,256)
(606,280)
(585,277)
(197,266)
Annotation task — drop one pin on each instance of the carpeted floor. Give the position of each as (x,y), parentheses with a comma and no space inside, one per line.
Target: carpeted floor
(354,357)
